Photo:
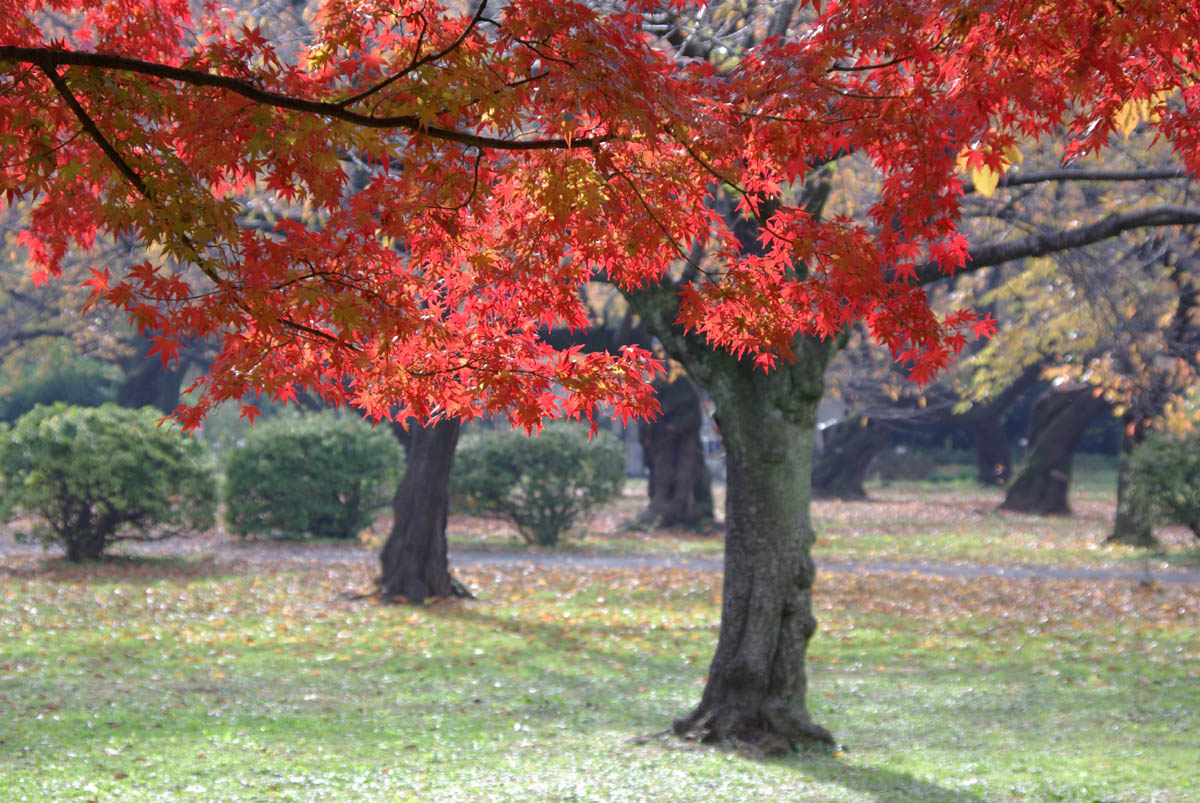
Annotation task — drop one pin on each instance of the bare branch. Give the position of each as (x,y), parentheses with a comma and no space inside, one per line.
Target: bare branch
(49,59)
(1048,242)
(1017,178)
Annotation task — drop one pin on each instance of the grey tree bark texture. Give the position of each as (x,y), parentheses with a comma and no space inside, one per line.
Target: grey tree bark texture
(414,563)
(756,687)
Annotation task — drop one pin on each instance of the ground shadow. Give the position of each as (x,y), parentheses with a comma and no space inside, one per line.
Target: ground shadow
(119,568)
(882,783)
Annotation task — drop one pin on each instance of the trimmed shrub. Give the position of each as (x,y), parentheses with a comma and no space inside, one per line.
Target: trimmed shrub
(542,484)
(313,476)
(1165,479)
(94,475)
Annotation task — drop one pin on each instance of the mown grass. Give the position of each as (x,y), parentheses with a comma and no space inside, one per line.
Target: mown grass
(191,679)
(955,522)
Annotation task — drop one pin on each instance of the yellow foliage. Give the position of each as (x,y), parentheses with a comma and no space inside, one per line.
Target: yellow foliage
(984,177)
(1137,110)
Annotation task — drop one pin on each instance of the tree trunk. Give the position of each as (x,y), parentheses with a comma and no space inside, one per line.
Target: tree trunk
(985,422)
(993,458)
(756,685)
(414,561)
(146,382)
(84,547)
(1058,422)
(1132,524)
(680,487)
(848,449)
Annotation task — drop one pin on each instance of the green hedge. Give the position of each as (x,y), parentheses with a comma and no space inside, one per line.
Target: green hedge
(1165,479)
(94,475)
(542,484)
(313,476)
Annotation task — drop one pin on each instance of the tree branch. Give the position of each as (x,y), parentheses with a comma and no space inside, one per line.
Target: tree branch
(1048,242)
(93,131)
(49,59)
(1017,179)
(418,62)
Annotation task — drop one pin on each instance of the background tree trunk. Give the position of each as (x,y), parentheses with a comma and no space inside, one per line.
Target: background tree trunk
(680,486)
(145,382)
(1132,525)
(1058,422)
(847,451)
(993,458)
(414,561)
(1181,339)
(985,422)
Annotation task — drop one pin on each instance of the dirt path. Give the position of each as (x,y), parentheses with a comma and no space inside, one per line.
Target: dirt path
(563,560)
(221,548)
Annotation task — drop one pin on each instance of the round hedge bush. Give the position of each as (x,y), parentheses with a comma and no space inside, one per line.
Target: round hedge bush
(313,476)
(540,484)
(94,475)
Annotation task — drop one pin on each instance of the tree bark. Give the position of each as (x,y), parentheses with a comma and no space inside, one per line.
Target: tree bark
(1058,422)
(414,562)
(146,382)
(756,686)
(993,458)
(1132,524)
(849,447)
(680,486)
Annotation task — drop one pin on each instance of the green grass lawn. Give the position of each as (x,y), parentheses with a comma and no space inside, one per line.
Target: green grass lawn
(954,522)
(246,677)
(187,679)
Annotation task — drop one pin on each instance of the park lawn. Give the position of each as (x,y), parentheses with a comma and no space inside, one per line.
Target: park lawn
(960,524)
(189,679)
(911,522)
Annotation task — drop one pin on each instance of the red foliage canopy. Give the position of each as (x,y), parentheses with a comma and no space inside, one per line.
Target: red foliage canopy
(458,179)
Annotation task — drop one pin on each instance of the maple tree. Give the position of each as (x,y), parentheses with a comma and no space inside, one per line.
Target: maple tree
(512,156)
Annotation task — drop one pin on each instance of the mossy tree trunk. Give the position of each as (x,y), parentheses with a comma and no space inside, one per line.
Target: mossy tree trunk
(756,687)
(848,448)
(1058,421)
(757,684)
(414,561)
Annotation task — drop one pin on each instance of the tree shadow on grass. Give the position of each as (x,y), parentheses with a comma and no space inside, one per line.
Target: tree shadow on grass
(616,713)
(119,568)
(883,784)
